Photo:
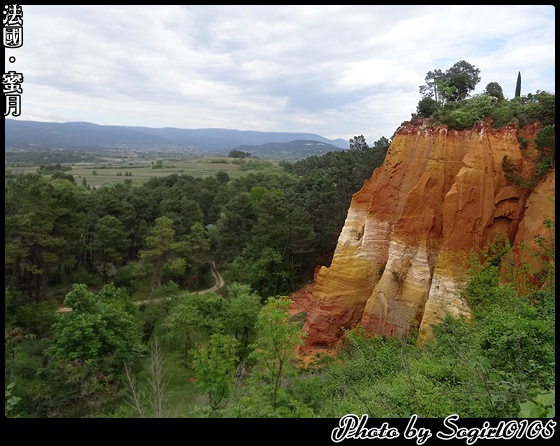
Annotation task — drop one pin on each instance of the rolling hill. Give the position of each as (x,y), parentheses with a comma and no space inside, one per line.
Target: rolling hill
(33,135)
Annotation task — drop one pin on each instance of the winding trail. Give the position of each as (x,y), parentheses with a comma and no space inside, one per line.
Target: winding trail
(220,283)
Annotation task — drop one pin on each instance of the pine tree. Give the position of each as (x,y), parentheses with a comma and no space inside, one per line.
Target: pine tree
(518,86)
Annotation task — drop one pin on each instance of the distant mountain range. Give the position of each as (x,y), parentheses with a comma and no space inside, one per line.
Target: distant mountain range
(33,135)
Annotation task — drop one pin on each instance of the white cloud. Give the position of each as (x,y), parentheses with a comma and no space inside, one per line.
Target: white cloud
(338,71)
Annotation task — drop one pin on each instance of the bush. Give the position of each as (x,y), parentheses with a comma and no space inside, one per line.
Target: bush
(466,113)
(504,113)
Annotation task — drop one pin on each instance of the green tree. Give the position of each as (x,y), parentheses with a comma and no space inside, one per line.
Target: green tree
(192,321)
(163,254)
(184,211)
(518,85)
(64,176)
(358,143)
(494,89)
(43,230)
(546,145)
(426,107)
(214,365)
(234,227)
(238,154)
(453,85)
(240,315)
(430,89)
(222,177)
(110,243)
(89,348)
(463,77)
(99,326)
(198,250)
(275,346)
(258,267)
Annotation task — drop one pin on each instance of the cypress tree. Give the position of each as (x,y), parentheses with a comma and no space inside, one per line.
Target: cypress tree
(518,86)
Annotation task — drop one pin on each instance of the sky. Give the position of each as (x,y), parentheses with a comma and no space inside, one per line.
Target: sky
(337,71)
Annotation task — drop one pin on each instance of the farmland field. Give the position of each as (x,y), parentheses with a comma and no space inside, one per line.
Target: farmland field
(116,171)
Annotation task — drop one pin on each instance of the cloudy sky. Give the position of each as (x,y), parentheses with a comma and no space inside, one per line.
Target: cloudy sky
(337,71)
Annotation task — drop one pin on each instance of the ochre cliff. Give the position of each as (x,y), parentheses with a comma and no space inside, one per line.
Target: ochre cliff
(439,194)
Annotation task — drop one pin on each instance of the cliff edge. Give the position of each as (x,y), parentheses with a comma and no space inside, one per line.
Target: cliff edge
(409,230)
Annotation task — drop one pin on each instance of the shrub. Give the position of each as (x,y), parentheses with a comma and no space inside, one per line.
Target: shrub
(466,113)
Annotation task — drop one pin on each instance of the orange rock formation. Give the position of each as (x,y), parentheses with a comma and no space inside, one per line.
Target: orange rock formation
(409,230)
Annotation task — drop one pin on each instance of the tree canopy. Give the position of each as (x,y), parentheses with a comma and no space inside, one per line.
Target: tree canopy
(453,85)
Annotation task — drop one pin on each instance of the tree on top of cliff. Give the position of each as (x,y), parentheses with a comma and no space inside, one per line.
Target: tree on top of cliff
(518,85)
(462,77)
(453,85)
(494,89)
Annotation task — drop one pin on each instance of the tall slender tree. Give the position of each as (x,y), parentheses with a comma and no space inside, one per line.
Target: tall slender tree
(518,85)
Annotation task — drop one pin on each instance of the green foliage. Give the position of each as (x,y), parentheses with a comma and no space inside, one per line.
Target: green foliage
(43,230)
(504,113)
(542,406)
(240,316)
(192,321)
(453,85)
(86,356)
(523,143)
(214,365)
(546,138)
(518,85)
(358,143)
(494,89)
(426,108)
(545,160)
(99,326)
(259,268)
(11,401)
(444,98)
(465,114)
(82,275)
(123,277)
(463,77)
(163,256)
(63,176)
(110,240)
(75,389)
(36,318)
(545,142)
(254,165)
(52,168)
(274,349)
(238,154)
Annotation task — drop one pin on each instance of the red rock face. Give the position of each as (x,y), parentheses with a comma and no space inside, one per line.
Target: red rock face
(438,195)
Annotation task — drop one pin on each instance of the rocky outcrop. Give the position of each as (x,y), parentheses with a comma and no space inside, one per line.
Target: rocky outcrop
(400,256)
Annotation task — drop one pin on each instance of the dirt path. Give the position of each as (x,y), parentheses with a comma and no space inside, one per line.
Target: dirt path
(217,277)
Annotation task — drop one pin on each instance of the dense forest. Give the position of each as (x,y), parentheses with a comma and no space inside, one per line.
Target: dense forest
(144,338)
(131,241)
